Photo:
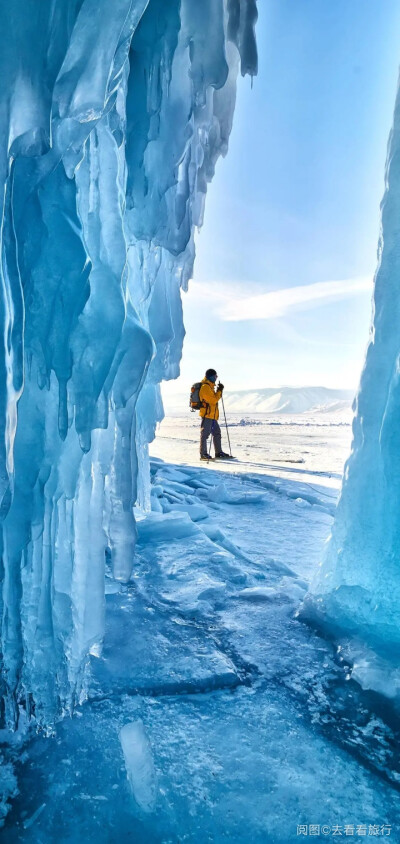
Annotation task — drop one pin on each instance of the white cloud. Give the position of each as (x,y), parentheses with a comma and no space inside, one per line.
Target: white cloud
(233,305)
(277,303)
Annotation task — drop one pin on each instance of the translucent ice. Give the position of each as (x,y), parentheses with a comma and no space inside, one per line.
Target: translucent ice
(139,764)
(112,119)
(357,591)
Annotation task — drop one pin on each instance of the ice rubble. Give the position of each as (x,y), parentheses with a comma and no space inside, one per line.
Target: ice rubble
(357,591)
(113,117)
(212,713)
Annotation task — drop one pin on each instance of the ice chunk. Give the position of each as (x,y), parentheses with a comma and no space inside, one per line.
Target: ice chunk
(221,495)
(197,512)
(217,535)
(259,593)
(164,527)
(287,589)
(371,671)
(139,765)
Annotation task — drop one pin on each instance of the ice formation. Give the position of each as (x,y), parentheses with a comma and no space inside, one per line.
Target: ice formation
(357,591)
(112,117)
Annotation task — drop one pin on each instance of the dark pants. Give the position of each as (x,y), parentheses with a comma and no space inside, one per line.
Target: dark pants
(210,426)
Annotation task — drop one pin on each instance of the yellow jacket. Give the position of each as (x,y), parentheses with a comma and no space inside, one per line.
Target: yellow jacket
(211,396)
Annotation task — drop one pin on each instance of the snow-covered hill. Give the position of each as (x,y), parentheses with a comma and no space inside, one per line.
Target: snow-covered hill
(289,400)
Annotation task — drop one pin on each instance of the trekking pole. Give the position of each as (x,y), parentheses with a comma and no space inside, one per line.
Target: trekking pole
(226,426)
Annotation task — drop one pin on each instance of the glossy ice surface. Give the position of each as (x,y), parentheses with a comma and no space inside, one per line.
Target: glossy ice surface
(357,591)
(112,118)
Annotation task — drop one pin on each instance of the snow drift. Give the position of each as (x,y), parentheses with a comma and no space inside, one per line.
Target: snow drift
(112,119)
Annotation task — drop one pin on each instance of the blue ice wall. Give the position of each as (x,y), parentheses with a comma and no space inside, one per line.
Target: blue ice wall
(357,591)
(112,118)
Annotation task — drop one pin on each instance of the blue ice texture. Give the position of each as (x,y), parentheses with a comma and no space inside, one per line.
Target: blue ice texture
(112,118)
(356,592)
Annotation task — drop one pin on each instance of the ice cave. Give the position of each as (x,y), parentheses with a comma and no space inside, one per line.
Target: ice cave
(168,673)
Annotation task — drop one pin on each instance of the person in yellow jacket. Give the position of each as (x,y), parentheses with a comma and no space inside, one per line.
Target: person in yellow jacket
(210,396)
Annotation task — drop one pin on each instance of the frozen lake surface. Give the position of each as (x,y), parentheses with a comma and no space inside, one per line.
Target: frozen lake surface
(304,445)
(213,714)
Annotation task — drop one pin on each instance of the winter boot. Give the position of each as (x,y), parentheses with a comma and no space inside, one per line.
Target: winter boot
(222,455)
(206,457)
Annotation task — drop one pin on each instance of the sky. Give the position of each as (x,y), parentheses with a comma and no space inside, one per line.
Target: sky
(282,286)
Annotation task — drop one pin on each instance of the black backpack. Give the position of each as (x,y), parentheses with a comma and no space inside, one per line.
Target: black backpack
(195,402)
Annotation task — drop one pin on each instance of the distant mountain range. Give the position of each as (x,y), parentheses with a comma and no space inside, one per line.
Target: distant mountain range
(290,400)
(275,400)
